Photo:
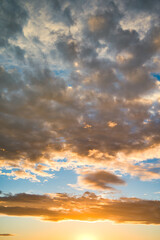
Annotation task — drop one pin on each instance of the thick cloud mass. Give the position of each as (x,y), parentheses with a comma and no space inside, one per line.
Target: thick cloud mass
(87,207)
(83,88)
(13,17)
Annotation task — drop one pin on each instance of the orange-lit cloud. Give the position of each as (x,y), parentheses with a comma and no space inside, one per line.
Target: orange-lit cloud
(112,124)
(6,235)
(88,207)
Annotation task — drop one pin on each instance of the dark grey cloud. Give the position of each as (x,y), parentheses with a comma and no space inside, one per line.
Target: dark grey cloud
(59,11)
(142,5)
(67,50)
(13,16)
(18,52)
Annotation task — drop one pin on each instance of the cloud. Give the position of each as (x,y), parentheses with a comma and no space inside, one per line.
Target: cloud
(102,111)
(6,235)
(112,124)
(88,207)
(99,180)
(143,5)
(43,119)
(67,50)
(12,18)
(30,174)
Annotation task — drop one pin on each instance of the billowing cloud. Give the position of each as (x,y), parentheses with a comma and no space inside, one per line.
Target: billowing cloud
(88,207)
(84,88)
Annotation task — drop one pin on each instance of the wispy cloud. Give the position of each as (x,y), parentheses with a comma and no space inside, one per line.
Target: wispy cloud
(6,235)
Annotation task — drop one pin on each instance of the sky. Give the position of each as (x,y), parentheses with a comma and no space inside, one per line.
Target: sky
(80,119)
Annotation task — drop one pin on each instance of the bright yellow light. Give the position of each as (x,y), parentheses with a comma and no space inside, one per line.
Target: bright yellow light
(86,237)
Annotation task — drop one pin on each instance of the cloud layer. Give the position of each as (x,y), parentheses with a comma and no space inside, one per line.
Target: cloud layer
(88,207)
(77,82)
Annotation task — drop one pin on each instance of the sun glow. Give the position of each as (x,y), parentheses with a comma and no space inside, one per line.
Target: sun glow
(86,237)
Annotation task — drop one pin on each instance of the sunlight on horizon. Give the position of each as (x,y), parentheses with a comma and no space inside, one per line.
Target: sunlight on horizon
(86,237)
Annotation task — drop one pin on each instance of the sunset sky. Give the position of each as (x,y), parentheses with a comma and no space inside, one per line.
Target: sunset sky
(80,119)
